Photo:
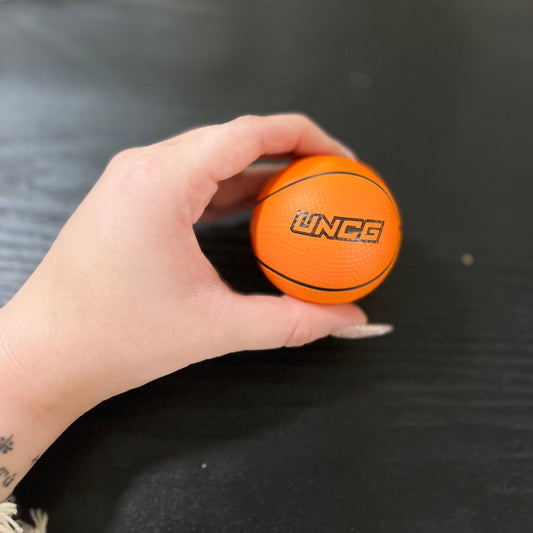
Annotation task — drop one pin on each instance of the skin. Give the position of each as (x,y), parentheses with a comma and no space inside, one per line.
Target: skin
(125,295)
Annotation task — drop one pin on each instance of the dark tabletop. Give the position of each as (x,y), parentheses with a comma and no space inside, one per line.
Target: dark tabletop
(427,430)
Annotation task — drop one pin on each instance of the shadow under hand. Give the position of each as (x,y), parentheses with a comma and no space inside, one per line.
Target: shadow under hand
(148,454)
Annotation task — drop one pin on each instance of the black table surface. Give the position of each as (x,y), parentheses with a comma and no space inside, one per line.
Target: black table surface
(427,430)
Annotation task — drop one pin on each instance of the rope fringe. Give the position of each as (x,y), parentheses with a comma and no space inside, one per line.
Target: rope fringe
(8,524)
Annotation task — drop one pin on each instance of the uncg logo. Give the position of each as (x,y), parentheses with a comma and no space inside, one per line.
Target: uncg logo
(339,228)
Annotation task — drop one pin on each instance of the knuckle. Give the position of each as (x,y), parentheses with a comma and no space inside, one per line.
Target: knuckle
(124,156)
(145,160)
(139,161)
(301,332)
(305,120)
(246,120)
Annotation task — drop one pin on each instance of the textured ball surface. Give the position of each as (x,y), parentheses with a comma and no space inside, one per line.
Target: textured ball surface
(326,229)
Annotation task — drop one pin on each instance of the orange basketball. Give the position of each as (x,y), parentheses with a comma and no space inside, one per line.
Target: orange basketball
(326,230)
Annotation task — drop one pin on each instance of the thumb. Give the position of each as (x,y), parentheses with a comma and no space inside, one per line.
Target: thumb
(267,322)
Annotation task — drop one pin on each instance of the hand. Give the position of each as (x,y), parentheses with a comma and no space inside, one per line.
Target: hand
(125,294)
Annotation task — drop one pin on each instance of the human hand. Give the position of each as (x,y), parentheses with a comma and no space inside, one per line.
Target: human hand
(125,294)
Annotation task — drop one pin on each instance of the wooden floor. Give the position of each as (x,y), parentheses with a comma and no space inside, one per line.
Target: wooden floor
(429,430)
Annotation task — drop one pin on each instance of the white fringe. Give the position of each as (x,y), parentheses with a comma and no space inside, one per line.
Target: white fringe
(8,524)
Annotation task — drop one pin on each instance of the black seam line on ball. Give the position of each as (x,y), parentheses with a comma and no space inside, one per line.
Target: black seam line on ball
(326,174)
(325,288)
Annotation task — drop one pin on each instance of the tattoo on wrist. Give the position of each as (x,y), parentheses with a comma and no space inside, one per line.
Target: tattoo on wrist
(6,444)
(6,476)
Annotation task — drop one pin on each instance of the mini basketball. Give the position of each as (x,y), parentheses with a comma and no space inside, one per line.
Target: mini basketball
(326,229)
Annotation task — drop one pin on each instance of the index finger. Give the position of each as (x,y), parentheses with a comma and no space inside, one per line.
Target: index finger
(222,151)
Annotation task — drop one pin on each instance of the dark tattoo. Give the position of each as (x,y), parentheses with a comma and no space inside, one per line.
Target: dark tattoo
(8,478)
(6,444)
(35,459)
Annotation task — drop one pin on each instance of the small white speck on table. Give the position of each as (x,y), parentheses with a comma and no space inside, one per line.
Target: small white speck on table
(467,259)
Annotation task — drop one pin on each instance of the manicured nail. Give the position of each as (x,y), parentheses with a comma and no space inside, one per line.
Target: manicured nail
(363,331)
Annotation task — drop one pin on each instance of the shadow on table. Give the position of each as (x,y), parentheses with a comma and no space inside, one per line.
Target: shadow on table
(91,467)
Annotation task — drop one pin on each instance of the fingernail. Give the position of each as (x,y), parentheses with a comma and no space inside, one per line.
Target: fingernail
(363,331)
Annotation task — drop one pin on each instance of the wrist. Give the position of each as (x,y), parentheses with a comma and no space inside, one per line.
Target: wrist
(31,384)
(29,421)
